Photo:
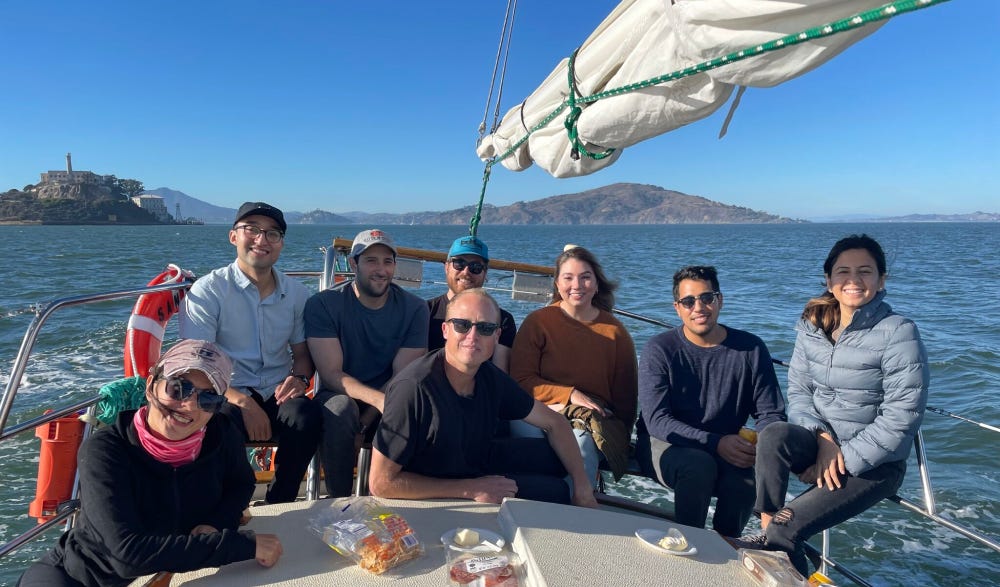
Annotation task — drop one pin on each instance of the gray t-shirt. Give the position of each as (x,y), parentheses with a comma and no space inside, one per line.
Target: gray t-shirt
(369,338)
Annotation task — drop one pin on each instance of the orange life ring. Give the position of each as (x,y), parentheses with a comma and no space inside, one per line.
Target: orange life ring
(152,311)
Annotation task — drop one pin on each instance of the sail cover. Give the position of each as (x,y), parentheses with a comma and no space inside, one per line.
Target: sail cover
(643,39)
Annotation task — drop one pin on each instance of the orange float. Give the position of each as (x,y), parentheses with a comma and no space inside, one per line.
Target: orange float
(56,465)
(152,311)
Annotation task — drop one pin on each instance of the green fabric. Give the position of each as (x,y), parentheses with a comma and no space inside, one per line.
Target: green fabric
(118,396)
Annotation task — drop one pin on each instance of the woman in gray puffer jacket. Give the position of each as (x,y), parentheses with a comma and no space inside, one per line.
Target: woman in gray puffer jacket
(857,388)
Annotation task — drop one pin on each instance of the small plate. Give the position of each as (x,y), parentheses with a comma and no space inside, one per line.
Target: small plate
(489,541)
(651,538)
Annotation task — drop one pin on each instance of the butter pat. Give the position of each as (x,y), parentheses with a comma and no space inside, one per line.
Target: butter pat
(674,540)
(466,537)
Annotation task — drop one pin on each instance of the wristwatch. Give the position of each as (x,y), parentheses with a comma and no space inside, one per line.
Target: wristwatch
(301,378)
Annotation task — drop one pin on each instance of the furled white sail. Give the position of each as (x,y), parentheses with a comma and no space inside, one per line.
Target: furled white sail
(643,39)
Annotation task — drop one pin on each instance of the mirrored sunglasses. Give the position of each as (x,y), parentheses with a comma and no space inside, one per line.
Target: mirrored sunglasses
(180,389)
(707,298)
(462,326)
(475,267)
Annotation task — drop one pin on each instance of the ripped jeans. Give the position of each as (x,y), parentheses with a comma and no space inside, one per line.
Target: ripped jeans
(784,448)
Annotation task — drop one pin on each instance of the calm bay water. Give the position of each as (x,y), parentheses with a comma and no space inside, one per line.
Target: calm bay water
(944,276)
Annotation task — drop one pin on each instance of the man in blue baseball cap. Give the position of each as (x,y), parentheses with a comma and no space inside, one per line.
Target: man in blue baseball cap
(465,268)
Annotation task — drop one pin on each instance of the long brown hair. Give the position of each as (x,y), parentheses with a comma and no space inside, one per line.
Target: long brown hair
(824,311)
(605,296)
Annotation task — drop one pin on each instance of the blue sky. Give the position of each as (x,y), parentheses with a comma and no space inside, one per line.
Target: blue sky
(375,106)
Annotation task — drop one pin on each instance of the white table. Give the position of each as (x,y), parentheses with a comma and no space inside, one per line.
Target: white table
(560,545)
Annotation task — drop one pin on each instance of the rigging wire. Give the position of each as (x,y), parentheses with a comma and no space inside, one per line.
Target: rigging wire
(502,47)
(505,33)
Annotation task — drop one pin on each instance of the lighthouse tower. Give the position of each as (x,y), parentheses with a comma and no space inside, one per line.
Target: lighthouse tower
(69,164)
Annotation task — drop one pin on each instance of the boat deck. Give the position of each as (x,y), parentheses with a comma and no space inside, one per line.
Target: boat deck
(560,546)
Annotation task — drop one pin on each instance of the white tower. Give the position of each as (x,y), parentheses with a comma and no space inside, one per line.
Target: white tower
(177,212)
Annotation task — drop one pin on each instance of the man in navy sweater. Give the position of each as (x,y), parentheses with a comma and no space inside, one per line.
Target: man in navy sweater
(698,385)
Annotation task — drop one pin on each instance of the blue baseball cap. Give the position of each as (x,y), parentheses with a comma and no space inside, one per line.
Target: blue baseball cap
(469,245)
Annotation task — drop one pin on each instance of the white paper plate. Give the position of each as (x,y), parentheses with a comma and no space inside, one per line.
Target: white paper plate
(651,538)
(489,541)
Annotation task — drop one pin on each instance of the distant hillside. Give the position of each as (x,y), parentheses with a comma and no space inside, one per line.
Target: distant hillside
(974,217)
(193,207)
(317,217)
(620,203)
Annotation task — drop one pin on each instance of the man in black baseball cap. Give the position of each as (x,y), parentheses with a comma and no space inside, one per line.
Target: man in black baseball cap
(253,312)
(261,209)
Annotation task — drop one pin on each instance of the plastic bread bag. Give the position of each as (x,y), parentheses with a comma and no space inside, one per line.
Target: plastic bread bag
(367,532)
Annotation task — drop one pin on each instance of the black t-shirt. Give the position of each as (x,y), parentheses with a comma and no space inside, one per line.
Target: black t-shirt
(429,429)
(438,307)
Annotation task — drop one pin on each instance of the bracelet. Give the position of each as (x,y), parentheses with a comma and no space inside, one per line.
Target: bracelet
(301,378)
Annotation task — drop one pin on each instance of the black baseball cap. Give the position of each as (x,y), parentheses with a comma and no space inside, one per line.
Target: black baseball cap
(261,209)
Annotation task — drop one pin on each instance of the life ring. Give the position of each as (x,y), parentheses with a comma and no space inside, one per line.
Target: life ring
(152,311)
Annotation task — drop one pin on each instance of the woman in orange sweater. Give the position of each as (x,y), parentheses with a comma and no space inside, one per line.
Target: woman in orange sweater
(576,357)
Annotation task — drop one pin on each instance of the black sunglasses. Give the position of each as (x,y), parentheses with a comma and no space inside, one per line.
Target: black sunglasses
(461,326)
(475,267)
(181,389)
(707,298)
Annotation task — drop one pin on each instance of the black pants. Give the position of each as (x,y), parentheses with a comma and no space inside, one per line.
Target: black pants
(533,465)
(696,475)
(296,425)
(44,574)
(784,448)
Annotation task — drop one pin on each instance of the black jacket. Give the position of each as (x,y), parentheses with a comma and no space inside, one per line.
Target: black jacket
(137,513)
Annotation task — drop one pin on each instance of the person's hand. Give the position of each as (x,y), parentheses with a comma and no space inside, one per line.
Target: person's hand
(203,529)
(584,497)
(291,387)
(578,398)
(829,462)
(491,488)
(268,549)
(255,420)
(809,475)
(737,451)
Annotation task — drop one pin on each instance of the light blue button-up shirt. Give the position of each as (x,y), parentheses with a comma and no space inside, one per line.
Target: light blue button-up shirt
(224,307)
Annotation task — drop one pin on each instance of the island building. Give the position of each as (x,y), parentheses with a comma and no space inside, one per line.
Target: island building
(74,177)
(154,205)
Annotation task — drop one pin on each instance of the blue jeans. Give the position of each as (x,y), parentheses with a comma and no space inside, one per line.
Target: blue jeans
(695,475)
(784,448)
(588,448)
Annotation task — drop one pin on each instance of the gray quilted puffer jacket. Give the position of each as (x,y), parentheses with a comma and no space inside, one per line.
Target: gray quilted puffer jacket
(868,389)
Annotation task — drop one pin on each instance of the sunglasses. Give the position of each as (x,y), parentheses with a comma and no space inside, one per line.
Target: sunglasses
(707,299)
(475,267)
(461,326)
(181,389)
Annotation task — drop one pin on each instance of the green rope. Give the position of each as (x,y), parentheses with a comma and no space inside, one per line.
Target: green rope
(884,12)
(118,396)
(574,115)
(474,223)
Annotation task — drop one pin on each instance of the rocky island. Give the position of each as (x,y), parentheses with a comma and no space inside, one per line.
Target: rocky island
(81,197)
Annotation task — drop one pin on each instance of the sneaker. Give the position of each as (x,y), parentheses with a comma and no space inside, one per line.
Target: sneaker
(752,542)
